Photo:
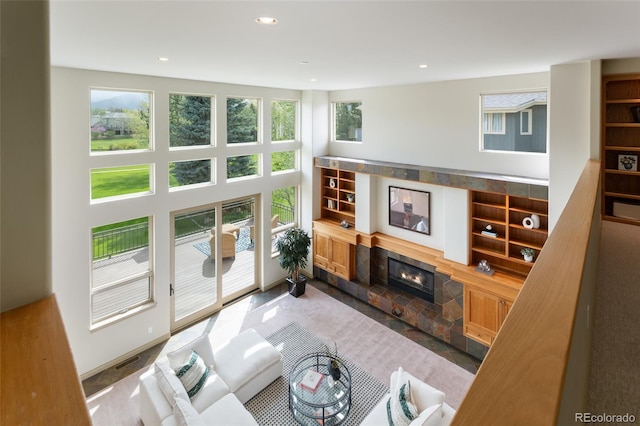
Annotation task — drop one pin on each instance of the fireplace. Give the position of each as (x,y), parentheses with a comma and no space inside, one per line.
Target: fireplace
(411,279)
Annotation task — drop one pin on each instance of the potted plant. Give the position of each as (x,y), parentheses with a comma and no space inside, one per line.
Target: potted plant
(293,246)
(528,253)
(334,361)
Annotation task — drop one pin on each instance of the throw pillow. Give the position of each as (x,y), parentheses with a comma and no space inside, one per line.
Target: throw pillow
(201,345)
(400,408)
(432,416)
(193,373)
(169,383)
(186,415)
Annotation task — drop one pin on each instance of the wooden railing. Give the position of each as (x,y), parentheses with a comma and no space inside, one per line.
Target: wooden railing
(39,382)
(536,371)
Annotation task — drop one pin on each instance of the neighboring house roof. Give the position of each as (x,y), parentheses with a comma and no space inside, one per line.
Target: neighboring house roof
(513,102)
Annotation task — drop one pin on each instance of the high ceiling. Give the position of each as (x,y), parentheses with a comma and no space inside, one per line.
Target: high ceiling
(340,44)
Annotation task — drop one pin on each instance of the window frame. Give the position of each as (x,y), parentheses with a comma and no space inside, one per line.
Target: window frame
(488,124)
(151,114)
(133,308)
(296,123)
(259,122)
(333,121)
(529,119)
(296,214)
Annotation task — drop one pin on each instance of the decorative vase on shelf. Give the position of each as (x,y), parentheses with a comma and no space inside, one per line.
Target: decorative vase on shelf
(536,221)
(528,258)
(350,197)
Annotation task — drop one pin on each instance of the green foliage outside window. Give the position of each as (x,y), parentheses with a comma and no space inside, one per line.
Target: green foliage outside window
(348,121)
(283,120)
(242,120)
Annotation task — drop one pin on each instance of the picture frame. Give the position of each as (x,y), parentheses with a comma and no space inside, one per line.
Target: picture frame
(410,209)
(628,162)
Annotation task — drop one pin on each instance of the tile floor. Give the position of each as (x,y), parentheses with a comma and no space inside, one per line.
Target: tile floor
(107,377)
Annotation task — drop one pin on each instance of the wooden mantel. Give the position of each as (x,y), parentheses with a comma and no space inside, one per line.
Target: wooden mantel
(39,382)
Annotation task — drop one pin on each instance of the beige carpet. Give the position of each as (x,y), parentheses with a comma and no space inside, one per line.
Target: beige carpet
(614,386)
(372,346)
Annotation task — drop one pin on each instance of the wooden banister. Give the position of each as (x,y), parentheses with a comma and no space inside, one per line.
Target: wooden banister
(39,381)
(522,378)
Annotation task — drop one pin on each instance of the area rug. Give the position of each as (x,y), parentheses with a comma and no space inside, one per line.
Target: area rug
(373,347)
(271,405)
(242,243)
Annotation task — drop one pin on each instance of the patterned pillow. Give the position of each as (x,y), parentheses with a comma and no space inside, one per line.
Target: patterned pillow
(400,408)
(193,373)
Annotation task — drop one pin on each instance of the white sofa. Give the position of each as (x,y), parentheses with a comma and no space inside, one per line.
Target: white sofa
(237,371)
(429,402)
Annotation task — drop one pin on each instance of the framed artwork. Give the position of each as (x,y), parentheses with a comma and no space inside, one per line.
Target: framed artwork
(410,209)
(628,162)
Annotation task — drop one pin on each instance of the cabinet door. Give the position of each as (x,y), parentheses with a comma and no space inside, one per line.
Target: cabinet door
(505,307)
(341,255)
(481,315)
(321,249)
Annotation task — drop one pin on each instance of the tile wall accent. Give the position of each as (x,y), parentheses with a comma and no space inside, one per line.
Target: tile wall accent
(442,319)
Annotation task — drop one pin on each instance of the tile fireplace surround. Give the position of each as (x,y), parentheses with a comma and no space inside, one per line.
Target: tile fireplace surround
(442,319)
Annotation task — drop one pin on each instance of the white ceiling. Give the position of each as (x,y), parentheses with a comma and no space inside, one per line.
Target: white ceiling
(347,44)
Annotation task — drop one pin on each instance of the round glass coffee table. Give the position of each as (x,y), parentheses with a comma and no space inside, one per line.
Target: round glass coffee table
(321,402)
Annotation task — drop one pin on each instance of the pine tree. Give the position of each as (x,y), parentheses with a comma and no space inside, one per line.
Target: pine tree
(190,118)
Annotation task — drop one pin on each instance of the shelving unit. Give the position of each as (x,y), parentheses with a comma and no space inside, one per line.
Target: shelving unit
(621,137)
(505,214)
(338,195)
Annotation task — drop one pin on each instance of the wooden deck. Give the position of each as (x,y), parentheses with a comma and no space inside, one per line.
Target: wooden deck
(195,276)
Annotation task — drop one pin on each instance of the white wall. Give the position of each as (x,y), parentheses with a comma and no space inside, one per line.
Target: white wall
(25,194)
(574,119)
(437,124)
(74,216)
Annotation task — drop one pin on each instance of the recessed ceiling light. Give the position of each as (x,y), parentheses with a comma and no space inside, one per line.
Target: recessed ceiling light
(304,62)
(162,59)
(266,20)
(423,66)
(313,80)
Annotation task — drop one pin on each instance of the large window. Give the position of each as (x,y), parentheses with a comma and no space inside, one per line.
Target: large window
(283,161)
(120,181)
(283,212)
(189,120)
(185,173)
(515,122)
(242,166)
(122,272)
(347,121)
(119,121)
(283,120)
(242,120)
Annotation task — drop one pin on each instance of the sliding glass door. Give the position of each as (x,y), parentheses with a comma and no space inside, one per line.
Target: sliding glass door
(194,285)
(211,264)
(238,272)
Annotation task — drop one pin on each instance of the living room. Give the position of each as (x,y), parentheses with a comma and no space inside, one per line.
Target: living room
(446,112)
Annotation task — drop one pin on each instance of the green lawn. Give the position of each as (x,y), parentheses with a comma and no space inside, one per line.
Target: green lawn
(115,181)
(118,144)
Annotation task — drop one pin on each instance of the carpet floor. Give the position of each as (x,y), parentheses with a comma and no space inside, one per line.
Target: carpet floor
(271,406)
(375,348)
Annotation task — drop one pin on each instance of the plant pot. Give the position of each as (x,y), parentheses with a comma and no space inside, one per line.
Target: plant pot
(334,369)
(297,288)
(528,258)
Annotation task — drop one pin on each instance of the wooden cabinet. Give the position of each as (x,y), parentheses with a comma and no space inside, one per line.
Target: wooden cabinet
(484,313)
(339,195)
(333,254)
(505,214)
(621,148)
